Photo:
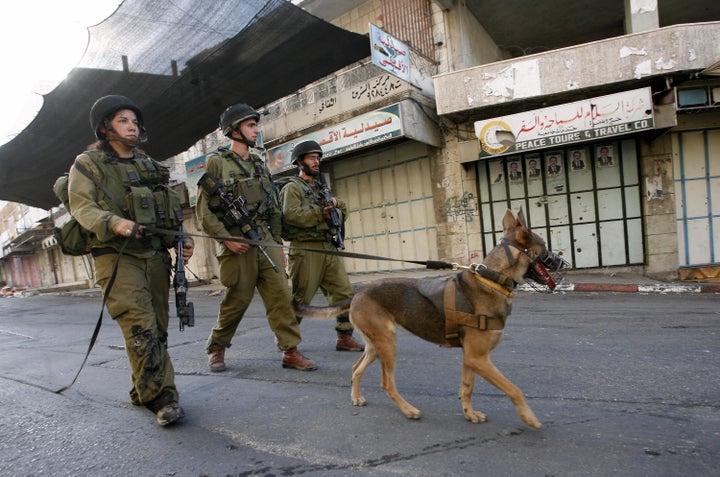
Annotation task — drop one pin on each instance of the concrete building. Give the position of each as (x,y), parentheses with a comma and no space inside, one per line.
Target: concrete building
(515,86)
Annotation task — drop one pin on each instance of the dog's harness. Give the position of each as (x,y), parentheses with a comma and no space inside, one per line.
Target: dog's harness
(495,281)
(455,318)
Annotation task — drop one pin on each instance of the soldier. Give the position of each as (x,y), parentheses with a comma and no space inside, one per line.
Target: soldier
(307,223)
(120,174)
(243,173)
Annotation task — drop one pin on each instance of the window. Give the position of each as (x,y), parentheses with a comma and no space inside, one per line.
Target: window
(410,21)
(698,95)
(688,98)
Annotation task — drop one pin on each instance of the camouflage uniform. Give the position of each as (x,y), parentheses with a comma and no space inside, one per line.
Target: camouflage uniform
(241,274)
(304,226)
(138,299)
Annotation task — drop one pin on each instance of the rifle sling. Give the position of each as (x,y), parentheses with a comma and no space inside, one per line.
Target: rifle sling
(102,186)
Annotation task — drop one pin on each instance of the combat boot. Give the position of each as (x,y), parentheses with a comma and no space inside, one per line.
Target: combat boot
(216,360)
(346,342)
(292,358)
(170,413)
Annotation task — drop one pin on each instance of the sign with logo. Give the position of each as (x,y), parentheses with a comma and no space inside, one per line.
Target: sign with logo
(581,121)
(389,53)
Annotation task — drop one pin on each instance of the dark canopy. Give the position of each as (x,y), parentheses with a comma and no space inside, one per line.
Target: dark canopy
(182,62)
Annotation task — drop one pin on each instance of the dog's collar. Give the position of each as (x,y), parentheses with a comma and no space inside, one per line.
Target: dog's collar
(495,280)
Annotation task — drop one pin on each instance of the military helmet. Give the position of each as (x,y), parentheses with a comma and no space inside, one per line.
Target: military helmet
(234,115)
(106,106)
(303,148)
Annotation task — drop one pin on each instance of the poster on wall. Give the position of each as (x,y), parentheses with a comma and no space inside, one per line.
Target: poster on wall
(605,155)
(578,160)
(514,171)
(533,167)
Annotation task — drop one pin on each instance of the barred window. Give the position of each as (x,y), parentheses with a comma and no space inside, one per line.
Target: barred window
(410,21)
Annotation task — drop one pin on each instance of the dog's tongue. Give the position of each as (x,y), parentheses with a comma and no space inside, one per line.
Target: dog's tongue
(541,270)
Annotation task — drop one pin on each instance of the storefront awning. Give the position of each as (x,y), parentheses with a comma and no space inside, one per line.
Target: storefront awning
(182,62)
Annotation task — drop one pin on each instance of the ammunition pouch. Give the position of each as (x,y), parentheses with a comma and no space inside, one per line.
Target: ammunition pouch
(158,207)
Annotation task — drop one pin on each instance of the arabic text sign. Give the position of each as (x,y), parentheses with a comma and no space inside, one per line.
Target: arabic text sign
(194,168)
(587,120)
(361,131)
(389,53)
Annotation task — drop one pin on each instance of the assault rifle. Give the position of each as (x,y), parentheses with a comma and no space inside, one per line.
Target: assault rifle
(185,310)
(236,213)
(337,227)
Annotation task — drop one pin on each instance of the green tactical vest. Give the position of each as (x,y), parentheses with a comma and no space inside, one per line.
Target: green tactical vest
(310,196)
(140,185)
(250,179)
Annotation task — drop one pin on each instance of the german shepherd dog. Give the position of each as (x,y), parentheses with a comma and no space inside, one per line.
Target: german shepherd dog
(428,308)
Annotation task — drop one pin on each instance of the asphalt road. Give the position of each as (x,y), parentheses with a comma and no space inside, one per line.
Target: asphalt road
(625,385)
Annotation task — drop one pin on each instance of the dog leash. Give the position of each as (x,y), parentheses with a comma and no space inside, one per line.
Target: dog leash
(430,264)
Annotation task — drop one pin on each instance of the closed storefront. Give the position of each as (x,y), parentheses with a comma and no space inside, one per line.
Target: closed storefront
(575,169)
(583,199)
(390,206)
(697,196)
(378,163)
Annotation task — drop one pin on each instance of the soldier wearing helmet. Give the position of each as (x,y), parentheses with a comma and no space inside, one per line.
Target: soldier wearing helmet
(103,110)
(138,298)
(231,119)
(243,268)
(307,224)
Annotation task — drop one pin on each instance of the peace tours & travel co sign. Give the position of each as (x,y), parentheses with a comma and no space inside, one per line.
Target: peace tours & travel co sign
(581,121)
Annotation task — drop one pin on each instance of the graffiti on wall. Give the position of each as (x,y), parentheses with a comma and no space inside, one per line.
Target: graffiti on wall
(461,208)
(654,183)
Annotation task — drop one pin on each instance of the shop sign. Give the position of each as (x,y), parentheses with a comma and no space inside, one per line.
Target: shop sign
(389,53)
(581,121)
(362,131)
(194,169)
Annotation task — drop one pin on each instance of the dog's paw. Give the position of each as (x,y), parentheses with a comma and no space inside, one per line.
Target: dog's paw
(530,420)
(359,401)
(535,424)
(411,413)
(475,416)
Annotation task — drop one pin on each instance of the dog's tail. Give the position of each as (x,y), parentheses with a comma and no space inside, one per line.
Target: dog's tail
(322,312)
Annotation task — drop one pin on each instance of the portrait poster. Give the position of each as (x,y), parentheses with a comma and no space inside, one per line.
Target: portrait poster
(578,160)
(554,163)
(533,166)
(514,170)
(605,156)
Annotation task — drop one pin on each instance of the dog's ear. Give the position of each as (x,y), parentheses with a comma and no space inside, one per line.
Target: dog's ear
(523,232)
(509,222)
(521,218)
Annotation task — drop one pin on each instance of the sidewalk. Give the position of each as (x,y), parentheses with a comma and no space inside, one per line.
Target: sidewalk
(578,281)
(575,281)
(582,281)
(623,282)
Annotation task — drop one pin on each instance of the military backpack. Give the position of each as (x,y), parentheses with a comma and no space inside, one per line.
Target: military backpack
(72,237)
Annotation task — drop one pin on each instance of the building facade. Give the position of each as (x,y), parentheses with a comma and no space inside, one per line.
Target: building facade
(610,145)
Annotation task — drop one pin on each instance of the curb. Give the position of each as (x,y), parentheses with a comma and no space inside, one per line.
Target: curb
(632,288)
